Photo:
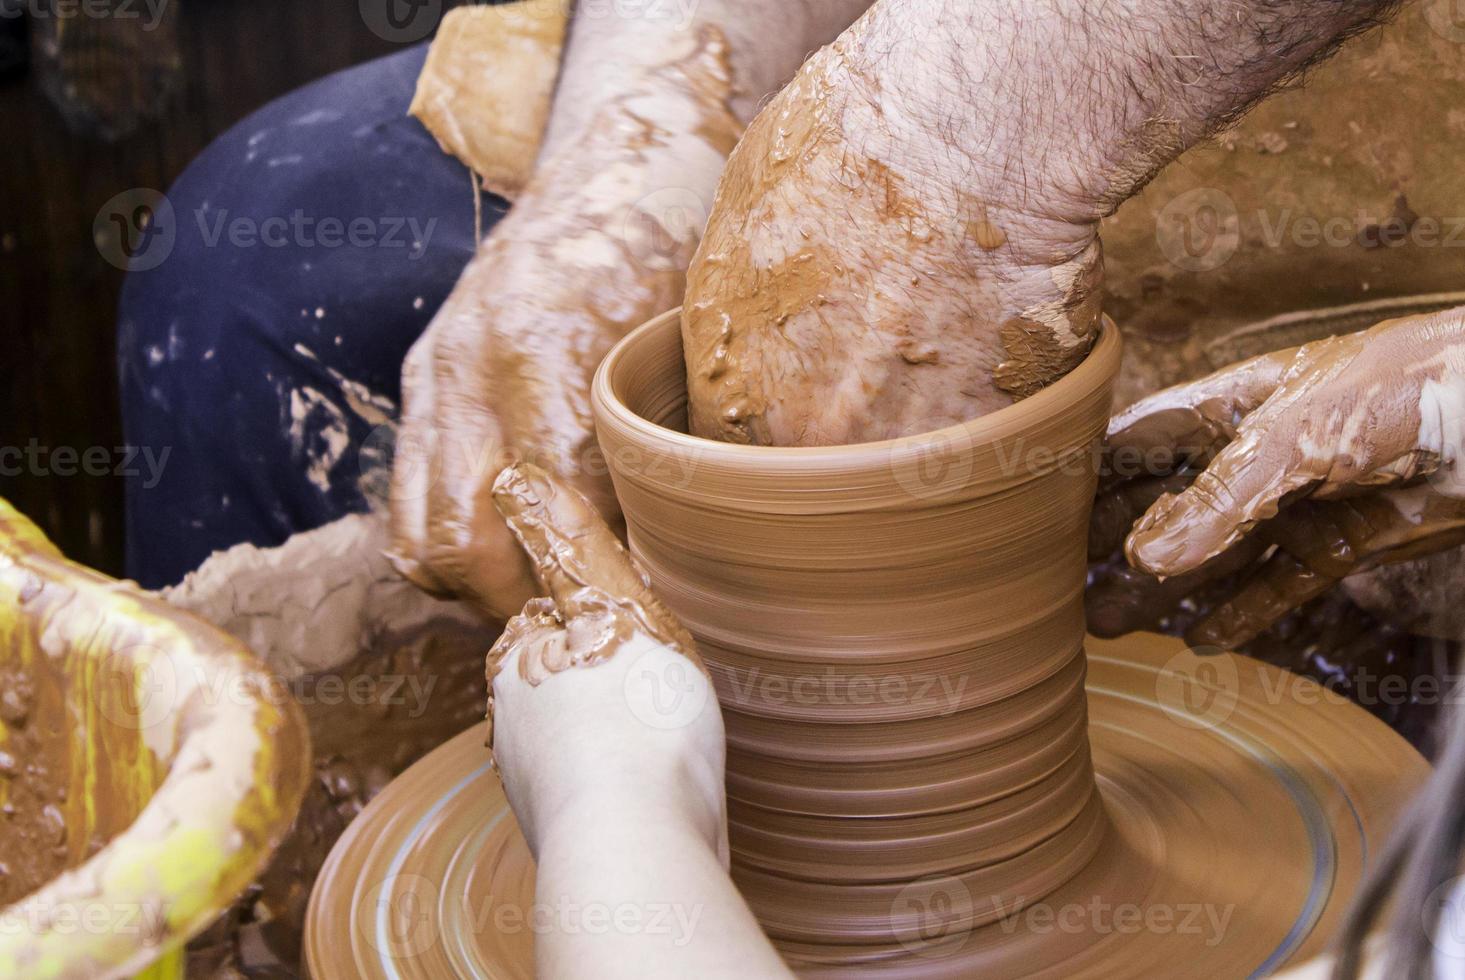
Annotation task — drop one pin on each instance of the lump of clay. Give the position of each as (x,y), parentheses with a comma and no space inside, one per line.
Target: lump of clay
(486,88)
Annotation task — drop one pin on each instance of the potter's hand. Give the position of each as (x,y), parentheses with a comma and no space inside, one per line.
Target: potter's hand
(588,252)
(569,711)
(610,743)
(646,110)
(1318,462)
(860,278)
(907,237)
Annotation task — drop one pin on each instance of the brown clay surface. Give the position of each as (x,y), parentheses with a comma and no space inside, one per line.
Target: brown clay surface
(883,824)
(1238,794)
(903,618)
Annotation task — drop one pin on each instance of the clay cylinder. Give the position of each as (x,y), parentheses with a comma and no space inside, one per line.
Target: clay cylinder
(895,630)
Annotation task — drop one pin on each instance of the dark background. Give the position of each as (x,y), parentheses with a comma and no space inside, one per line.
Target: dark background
(58,295)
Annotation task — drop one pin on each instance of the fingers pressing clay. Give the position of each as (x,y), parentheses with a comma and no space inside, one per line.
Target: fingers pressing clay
(1121,600)
(536,633)
(598,600)
(592,248)
(596,591)
(568,544)
(1351,414)
(1198,419)
(1310,547)
(1245,484)
(1116,510)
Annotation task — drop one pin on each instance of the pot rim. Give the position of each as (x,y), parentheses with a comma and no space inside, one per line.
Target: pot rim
(1097,370)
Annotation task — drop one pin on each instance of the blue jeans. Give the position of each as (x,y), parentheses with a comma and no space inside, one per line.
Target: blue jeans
(314,242)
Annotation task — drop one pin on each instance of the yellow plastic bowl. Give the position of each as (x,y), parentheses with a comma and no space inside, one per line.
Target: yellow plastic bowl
(149,766)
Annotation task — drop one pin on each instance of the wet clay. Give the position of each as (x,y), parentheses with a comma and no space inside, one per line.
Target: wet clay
(595,245)
(1373,410)
(839,297)
(382,672)
(884,727)
(598,598)
(148,767)
(912,756)
(485,89)
(33,792)
(1183,775)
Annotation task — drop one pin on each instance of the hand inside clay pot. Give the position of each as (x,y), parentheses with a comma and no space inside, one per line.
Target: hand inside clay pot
(609,739)
(863,278)
(907,235)
(1313,463)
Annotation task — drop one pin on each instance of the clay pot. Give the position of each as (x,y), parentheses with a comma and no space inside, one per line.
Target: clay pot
(895,630)
(148,768)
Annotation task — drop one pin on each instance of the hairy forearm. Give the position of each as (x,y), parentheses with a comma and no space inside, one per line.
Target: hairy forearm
(608,50)
(1080,103)
(921,206)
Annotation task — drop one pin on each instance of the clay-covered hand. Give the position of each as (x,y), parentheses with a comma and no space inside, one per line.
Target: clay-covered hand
(865,274)
(597,696)
(608,736)
(1313,463)
(908,234)
(596,244)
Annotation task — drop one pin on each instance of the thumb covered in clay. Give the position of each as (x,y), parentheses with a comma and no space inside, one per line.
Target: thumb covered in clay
(595,587)
(597,662)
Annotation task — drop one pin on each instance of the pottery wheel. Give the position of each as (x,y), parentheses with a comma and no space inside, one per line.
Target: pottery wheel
(1245,804)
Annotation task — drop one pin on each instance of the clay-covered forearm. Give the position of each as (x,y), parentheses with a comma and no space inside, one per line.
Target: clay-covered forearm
(1087,101)
(907,237)
(765,41)
(598,242)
